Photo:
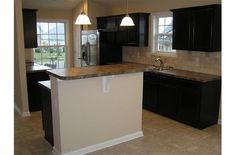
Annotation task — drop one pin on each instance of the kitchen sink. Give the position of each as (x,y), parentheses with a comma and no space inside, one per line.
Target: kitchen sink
(160,68)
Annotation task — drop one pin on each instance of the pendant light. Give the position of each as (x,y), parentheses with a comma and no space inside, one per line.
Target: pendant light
(127,20)
(83,19)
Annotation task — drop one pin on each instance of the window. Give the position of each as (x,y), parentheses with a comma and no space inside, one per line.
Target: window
(162,32)
(51,44)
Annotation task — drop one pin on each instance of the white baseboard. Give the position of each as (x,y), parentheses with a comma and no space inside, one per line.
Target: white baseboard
(17,109)
(102,145)
(25,114)
(22,114)
(55,151)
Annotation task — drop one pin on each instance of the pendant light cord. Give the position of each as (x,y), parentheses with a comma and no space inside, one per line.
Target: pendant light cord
(83,6)
(127,7)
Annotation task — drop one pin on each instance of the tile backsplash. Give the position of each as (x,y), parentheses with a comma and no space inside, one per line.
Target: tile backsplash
(204,62)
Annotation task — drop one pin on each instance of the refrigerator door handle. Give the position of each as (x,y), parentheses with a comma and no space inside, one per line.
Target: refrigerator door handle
(87,53)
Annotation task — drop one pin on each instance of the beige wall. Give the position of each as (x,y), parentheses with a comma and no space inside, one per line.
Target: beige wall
(96,10)
(20,87)
(187,60)
(29,54)
(76,32)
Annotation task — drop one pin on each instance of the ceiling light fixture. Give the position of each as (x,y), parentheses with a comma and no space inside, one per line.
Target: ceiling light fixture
(83,19)
(127,20)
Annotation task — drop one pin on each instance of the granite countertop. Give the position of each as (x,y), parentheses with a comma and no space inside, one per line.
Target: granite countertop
(189,75)
(34,67)
(96,71)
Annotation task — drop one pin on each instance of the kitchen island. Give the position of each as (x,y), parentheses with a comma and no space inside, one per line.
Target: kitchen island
(96,107)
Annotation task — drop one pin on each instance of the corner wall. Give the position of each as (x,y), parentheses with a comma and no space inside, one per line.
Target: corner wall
(20,86)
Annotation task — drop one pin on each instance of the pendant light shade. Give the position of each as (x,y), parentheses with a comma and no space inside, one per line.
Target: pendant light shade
(127,20)
(82,19)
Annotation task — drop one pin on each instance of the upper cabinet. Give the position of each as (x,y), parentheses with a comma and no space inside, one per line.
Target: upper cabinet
(197,28)
(127,35)
(30,28)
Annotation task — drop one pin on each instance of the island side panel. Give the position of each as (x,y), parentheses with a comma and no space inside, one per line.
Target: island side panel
(89,115)
(55,115)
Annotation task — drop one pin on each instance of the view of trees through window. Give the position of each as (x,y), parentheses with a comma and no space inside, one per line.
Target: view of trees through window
(51,44)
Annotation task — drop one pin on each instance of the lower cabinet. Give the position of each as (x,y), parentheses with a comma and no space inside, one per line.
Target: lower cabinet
(191,102)
(34,89)
(167,100)
(189,105)
(150,95)
(46,112)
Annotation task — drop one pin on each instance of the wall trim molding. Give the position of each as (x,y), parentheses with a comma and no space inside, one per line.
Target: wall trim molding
(25,114)
(102,145)
(55,151)
(22,114)
(17,109)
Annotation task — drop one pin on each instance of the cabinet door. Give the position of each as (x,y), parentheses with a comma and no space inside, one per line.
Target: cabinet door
(33,88)
(101,23)
(189,106)
(132,32)
(121,35)
(202,29)
(47,114)
(168,99)
(149,95)
(111,23)
(30,29)
(181,30)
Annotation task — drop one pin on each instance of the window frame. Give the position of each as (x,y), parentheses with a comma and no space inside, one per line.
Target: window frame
(66,22)
(152,36)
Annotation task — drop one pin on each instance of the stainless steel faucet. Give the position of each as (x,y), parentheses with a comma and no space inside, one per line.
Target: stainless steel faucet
(158,59)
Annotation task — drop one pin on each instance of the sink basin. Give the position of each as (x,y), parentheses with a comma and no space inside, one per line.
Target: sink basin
(160,68)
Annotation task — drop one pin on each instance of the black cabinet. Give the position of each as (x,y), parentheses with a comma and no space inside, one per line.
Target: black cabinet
(138,35)
(127,35)
(167,102)
(189,107)
(191,102)
(45,90)
(109,51)
(107,23)
(150,94)
(197,28)
(30,28)
(134,35)
(33,88)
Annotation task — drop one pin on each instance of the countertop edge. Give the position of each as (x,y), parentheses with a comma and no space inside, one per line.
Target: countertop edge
(91,75)
(217,77)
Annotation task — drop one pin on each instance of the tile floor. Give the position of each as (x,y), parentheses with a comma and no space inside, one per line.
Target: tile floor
(162,136)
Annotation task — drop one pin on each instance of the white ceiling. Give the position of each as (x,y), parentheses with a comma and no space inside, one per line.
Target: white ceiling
(70,4)
(50,4)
